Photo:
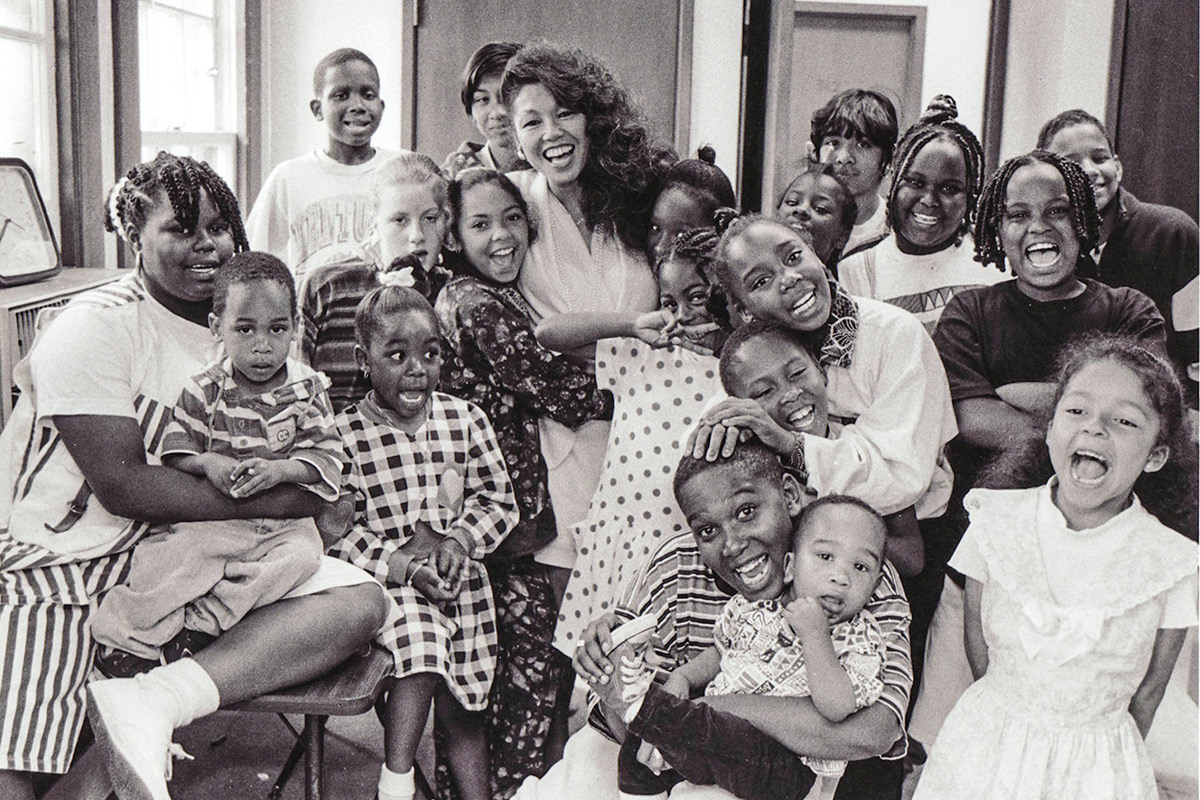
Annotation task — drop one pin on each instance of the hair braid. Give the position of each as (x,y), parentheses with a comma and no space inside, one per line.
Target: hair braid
(1085,219)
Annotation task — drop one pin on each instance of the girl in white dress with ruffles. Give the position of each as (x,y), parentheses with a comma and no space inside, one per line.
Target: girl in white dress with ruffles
(1078,598)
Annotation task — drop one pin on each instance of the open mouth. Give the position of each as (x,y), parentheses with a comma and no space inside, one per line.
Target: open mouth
(411,397)
(205,269)
(1088,468)
(832,605)
(802,418)
(559,154)
(358,124)
(1042,255)
(756,573)
(805,303)
(503,256)
(924,220)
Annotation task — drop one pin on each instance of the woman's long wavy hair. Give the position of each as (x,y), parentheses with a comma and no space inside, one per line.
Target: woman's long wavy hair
(626,163)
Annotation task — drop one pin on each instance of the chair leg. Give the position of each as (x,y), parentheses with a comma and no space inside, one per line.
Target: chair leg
(314,756)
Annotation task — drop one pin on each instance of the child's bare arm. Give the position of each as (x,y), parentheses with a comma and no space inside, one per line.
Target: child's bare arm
(977,653)
(256,475)
(566,332)
(905,547)
(1149,694)
(698,672)
(828,682)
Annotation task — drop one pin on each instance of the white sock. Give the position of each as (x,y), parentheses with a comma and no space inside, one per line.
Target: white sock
(632,709)
(396,785)
(189,686)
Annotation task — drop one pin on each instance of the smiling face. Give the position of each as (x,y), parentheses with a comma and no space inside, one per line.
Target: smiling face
(776,277)
(1037,233)
(782,377)
(494,232)
(552,138)
(858,162)
(931,198)
(1086,145)
(838,559)
(179,263)
(257,328)
(404,362)
(742,524)
(676,210)
(489,114)
(810,204)
(683,291)
(410,221)
(1103,435)
(350,107)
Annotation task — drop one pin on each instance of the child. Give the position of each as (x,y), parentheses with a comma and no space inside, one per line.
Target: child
(1077,597)
(249,422)
(819,204)
(431,498)
(402,247)
(312,210)
(777,390)
(658,395)
(495,362)
(1154,249)
(796,628)
(855,133)
(1037,213)
(481,100)
(692,191)
(929,255)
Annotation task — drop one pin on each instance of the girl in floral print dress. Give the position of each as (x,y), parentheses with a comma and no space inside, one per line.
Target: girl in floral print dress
(495,362)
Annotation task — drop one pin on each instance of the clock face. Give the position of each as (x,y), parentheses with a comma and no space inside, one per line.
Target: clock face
(26,244)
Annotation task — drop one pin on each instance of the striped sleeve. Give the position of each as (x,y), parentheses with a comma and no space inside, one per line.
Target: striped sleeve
(889,606)
(187,432)
(489,509)
(318,443)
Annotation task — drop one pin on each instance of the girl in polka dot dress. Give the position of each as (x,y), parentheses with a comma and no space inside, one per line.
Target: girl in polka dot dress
(662,370)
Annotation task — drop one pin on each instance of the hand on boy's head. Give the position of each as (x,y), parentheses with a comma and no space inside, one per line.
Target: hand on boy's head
(748,416)
(713,441)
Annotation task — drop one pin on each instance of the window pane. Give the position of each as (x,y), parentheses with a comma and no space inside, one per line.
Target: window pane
(23,125)
(20,14)
(177,74)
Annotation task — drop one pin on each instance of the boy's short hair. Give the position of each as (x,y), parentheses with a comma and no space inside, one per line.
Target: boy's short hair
(489,60)
(750,458)
(247,267)
(862,113)
(339,56)
(802,522)
(1066,119)
(754,330)
(384,300)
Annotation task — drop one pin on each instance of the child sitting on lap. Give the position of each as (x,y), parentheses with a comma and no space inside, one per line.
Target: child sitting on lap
(431,499)
(249,422)
(796,627)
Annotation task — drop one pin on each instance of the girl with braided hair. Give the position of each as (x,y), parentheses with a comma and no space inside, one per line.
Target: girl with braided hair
(692,191)
(1037,217)
(98,390)
(928,256)
(661,368)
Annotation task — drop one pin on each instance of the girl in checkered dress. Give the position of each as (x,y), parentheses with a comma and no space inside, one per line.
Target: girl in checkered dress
(431,497)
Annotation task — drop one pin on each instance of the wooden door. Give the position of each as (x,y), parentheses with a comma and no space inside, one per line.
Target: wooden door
(820,49)
(638,40)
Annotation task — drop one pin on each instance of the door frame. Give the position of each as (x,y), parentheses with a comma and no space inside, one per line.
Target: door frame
(779,79)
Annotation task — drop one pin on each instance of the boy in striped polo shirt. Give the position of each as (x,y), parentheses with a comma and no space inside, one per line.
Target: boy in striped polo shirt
(250,421)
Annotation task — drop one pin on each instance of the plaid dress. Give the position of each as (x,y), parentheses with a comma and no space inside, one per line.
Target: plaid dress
(450,475)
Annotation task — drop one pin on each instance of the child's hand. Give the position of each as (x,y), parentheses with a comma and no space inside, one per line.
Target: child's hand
(256,475)
(676,684)
(427,581)
(658,328)
(748,415)
(219,471)
(807,618)
(451,562)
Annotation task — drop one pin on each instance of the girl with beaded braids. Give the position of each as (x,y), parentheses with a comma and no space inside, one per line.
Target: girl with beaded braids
(928,256)
(596,171)
(1037,217)
(97,391)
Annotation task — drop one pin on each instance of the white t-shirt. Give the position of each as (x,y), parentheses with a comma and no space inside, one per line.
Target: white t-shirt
(313,211)
(921,285)
(872,227)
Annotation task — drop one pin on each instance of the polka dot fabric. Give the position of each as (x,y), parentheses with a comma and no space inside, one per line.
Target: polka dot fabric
(659,395)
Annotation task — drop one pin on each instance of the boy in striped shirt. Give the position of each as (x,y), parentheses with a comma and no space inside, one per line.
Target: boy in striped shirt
(250,421)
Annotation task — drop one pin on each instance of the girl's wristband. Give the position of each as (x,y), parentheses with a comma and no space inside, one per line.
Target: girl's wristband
(414,564)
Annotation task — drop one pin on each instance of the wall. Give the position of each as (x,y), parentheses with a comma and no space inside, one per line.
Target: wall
(1057,59)
(296,35)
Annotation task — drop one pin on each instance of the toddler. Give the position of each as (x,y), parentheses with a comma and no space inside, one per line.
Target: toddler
(855,133)
(1077,597)
(249,422)
(313,209)
(431,499)
(818,204)
(403,247)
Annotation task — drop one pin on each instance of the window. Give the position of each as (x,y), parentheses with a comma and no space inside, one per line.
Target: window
(188,81)
(27,126)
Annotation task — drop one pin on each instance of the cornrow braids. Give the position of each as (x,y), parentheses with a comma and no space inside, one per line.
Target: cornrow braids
(182,181)
(1084,216)
(940,121)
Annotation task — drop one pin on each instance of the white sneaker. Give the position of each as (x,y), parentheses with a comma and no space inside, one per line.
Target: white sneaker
(134,736)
